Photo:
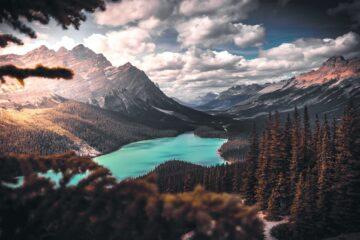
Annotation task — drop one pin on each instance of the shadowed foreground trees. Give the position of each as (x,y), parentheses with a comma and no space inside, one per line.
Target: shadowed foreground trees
(99,208)
(313,175)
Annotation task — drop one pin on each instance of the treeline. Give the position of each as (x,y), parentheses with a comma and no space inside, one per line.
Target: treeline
(103,130)
(178,176)
(98,207)
(24,139)
(234,150)
(311,174)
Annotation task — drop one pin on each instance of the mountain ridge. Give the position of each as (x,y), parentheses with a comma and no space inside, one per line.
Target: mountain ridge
(325,90)
(125,89)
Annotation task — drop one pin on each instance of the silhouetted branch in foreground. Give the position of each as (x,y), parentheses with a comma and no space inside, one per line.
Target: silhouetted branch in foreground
(39,71)
(5,39)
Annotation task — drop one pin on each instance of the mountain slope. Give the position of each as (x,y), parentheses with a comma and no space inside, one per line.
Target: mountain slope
(70,125)
(124,89)
(325,90)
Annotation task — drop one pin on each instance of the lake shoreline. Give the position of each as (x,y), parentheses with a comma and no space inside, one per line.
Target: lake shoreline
(140,157)
(146,139)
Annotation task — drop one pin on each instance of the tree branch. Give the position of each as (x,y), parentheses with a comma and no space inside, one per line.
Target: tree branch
(39,71)
(5,39)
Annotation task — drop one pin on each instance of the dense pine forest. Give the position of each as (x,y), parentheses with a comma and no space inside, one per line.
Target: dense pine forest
(308,173)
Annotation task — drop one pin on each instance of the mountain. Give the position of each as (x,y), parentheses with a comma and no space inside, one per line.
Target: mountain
(124,89)
(70,125)
(102,108)
(325,90)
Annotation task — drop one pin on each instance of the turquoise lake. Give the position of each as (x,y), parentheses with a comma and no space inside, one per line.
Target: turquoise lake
(138,158)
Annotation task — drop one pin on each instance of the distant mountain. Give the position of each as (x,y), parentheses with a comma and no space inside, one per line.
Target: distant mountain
(325,90)
(123,89)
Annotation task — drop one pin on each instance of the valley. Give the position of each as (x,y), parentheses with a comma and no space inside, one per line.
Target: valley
(122,106)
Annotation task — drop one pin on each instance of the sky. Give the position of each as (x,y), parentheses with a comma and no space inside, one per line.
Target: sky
(193,47)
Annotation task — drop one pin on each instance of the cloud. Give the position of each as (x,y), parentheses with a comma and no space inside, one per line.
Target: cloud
(121,46)
(283,2)
(205,22)
(66,42)
(127,11)
(209,32)
(197,71)
(42,39)
(351,9)
(233,9)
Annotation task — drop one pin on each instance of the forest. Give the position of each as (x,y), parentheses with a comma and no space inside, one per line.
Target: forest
(309,174)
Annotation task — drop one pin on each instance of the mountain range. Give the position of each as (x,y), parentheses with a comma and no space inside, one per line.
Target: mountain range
(324,90)
(104,107)
(101,108)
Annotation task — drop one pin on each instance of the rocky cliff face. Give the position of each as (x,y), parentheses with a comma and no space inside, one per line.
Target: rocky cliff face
(335,68)
(124,89)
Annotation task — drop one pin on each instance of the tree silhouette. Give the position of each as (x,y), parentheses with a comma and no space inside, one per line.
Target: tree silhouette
(18,13)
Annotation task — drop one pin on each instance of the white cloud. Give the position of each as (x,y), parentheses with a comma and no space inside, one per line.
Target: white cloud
(66,42)
(126,11)
(197,71)
(121,46)
(198,22)
(208,32)
(42,39)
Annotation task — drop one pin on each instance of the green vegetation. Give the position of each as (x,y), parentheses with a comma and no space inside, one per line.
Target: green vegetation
(100,208)
(209,132)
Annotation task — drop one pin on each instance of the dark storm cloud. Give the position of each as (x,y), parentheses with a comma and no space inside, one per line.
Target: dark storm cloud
(351,9)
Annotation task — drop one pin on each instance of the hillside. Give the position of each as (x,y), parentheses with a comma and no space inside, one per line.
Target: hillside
(70,125)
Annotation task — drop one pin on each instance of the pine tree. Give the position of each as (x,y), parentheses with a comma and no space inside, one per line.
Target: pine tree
(346,208)
(236,181)
(316,142)
(305,140)
(296,161)
(278,202)
(277,151)
(249,176)
(286,163)
(263,189)
(325,180)
(188,183)
(298,211)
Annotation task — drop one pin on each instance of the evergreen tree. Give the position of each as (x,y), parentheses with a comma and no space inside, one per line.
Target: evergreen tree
(298,211)
(236,180)
(249,176)
(316,142)
(278,202)
(276,151)
(310,196)
(188,183)
(305,140)
(296,161)
(263,190)
(346,209)
(325,180)
(286,163)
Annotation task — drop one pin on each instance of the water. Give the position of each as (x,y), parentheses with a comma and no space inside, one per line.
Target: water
(138,158)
